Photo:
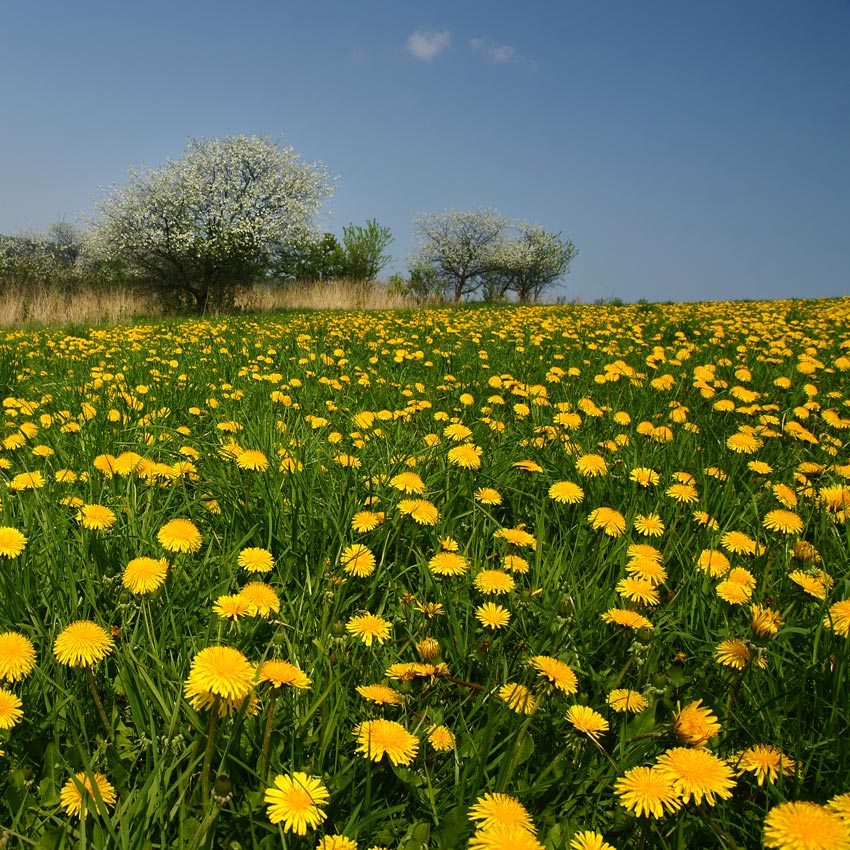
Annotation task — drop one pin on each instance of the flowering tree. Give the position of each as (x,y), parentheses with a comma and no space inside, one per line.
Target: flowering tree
(200,226)
(527,263)
(455,248)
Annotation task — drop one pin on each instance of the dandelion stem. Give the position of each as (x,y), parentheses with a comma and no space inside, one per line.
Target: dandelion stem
(267,737)
(98,702)
(208,752)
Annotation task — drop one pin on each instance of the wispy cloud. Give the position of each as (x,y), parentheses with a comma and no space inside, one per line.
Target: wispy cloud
(426,43)
(500,54)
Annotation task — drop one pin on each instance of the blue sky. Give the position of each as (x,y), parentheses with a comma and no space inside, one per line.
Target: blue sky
(692,150)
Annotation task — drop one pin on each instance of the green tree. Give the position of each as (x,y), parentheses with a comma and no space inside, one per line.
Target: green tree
(215,219)
(364,250)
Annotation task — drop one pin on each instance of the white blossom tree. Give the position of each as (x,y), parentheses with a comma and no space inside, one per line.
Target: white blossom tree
(526,264)
(455,247)
(202,225)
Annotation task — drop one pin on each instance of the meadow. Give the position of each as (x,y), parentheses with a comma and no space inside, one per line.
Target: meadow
(499,577)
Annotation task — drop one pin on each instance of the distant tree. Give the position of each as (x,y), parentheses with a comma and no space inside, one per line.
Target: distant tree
(456,246)
(322,259)
(33,258)
(527,263)
(364,250)
(202,225)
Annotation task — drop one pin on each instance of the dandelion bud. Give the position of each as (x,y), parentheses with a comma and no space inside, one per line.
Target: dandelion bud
(428,648)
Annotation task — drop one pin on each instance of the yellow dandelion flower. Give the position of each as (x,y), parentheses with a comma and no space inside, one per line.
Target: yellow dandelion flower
(785,522)
(12,542)
(500,810)
(765,621)
(612,522)
(558,672)
(448,564)
(587,720)
(231,606)
(647,569)
(649,525)
(695,724)
(494,582)
(766,762)
(358,560)
(17,656)
(589,840)
(296,801)
(10,709)
(377,738)
(625,699)
(638,590)
(743,442)
(515,564)
(419,510)
(368,627)
(379,694)
(713,562)
(501,835)
(527,465)
(737,654)
(566,493)
(644,476)
(408,482)
(492,616)
(82,644)
(626,618)
(683,493)
(456,432)
(278,672)
(698,774)
(805,826)
(647,791)
(838,618)
(262,598)
(592,466)
(739,543)
(79,793)
(219,673)
(27,481)
(144,575)
(518,698)
(517,537)
(441,738)
(465,456)
(180,535)
(488,496)
(255,560)
(364,521)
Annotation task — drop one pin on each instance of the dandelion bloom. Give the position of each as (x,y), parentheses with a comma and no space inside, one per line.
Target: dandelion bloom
(10,709)
(441,738)
(528,465)
(589,840)
(488,496)
(17,656)
(743,442)
(368,627)
(336,842)
(517,537)
(492,616)
(409,483)
(358,560)
(96,517)
(815,585)
(278,672)
(566,492)
(82,644)
(739,543)
(683,493)
(262,598)
(736,654)
(252,460)
(734,592)
(12,542)
(231,606)
(457,431)
(364,521)
(647,791)
(144,575)
(612,522)
(219,673)
(805,826)
(765,621)
(838,618)
(785,522)
(515,564)
(255,560)
(494,582)
(587,720)
(697,773)
(295,801)
(466,456)
(638,590)
(27,481)
(79,792)
(766,762)
(419,510)
(644,550)
(180,535)
(500,809)
(695,724)
(376,738)
(713,562)
(379,694)
(592,466)
(558,672)
(644,476)
(840,804)
(624,617)
(647,569)
(448,564)
(625,699)
(518,698)
(502,835)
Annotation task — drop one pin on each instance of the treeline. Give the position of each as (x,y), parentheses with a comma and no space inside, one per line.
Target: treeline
(240,210)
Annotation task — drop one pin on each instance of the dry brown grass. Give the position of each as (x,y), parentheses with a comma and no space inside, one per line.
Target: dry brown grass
(330,295)
(81,305)
(44,305)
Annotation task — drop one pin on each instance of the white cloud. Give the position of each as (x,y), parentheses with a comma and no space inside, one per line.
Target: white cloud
(425,43)
(498,53)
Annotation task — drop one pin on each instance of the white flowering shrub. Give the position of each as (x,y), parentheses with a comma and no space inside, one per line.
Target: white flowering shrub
(215,219)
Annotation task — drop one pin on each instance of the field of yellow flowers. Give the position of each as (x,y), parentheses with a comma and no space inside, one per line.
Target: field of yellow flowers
(572,578)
